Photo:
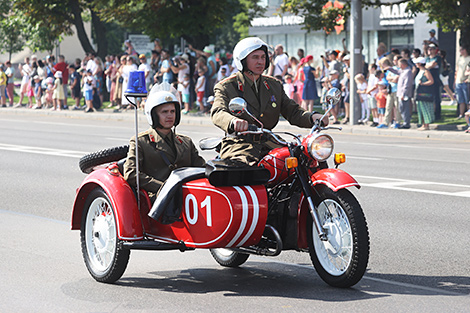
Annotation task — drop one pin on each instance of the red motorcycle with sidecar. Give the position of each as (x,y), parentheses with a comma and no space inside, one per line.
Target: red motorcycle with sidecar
(290,201)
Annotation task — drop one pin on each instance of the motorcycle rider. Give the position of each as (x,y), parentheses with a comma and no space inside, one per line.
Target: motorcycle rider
(161,150)
(266,101)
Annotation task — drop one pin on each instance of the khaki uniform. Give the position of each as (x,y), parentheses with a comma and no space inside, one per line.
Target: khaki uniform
(154,169)
(266,105)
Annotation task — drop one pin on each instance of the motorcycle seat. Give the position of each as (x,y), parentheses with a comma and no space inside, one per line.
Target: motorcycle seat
(226,172)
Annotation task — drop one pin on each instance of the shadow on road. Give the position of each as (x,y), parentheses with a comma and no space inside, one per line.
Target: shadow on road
(288,281)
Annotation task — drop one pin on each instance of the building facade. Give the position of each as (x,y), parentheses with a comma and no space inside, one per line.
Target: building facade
(388,24)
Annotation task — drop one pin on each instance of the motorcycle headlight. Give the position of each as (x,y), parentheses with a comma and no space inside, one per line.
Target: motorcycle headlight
(320,147)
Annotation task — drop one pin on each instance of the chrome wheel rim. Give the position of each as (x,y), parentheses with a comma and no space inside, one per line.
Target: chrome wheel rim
(100,235)
(334,254)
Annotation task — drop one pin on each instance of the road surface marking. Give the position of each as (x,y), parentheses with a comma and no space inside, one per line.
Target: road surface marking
(45,151)
(414,186)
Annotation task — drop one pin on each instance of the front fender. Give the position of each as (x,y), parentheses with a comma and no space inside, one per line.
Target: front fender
(123,200)
(335,179)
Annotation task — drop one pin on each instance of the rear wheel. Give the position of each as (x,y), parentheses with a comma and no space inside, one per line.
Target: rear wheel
(229,258)
(342,259)
(104,257)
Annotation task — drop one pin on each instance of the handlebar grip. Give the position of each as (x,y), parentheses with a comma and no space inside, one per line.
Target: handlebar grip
(252,127)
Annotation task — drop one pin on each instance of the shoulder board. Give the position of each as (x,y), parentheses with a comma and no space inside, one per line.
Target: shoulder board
(228,79)
(146,133)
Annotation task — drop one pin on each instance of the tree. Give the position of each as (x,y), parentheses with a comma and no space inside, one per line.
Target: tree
(450,15)
(52,19)
(197,21)
(13,38)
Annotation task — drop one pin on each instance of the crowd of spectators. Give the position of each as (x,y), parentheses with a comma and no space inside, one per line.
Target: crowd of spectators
(396,84)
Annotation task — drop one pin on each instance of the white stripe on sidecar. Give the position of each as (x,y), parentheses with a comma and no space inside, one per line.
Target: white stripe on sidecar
(254,222)
(244,216)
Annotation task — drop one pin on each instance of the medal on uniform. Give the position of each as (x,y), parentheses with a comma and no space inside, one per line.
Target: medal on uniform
(273,99)
(274,104)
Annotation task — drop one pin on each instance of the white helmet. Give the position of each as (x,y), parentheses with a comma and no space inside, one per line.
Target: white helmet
(161,94)
(246,46)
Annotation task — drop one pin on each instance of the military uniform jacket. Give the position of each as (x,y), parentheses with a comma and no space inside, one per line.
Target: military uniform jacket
(153,167)
(267,106)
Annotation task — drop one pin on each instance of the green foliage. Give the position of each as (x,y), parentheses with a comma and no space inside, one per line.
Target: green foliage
(197,21)
(190,19)
(13,40)
(249,9)
(450,15)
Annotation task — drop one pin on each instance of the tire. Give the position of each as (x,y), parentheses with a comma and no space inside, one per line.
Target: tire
(104,258)
(341,261)
(229,258)
(88,162)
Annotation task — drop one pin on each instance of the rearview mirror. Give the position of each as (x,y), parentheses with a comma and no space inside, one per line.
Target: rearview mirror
(333,96)
(237,106)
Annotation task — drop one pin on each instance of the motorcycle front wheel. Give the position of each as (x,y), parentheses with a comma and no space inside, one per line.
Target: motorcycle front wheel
(104,258)
(342,259)
(229,258)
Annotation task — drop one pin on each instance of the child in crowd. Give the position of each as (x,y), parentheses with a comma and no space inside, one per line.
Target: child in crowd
(372,91)
(75,80)
(47,94)
(223,73)
(184,89)
(362,91)
(289,86)
(58,92)
(37,92)
(89,83)
(381,98)
(200,87)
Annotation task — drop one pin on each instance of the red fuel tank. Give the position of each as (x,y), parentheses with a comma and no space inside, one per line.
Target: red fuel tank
(274,162)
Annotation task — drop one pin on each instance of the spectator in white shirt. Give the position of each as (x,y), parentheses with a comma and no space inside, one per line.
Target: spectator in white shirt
(280,64)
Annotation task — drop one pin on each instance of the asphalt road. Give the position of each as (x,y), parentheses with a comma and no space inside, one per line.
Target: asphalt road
(415,192)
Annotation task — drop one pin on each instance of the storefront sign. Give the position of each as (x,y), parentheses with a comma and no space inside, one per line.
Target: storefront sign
(391,15)
(277,21)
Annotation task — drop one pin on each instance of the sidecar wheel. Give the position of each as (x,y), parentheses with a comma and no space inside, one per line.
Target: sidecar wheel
(104,258)
(342,259)
(229,258)
(88,162)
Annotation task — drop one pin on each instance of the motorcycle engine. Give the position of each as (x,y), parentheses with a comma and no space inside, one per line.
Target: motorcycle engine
(282,215)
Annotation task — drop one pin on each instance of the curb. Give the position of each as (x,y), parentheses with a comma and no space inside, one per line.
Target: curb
(454,132)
